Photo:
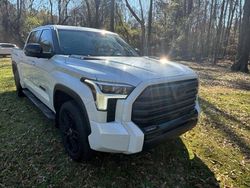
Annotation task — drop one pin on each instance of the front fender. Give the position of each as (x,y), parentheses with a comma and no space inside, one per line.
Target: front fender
(82,91)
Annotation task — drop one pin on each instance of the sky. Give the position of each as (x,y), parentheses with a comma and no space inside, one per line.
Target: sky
(40,4)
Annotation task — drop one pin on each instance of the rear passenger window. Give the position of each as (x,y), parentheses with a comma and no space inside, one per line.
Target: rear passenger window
(34,37)
(7,45)
(46,41)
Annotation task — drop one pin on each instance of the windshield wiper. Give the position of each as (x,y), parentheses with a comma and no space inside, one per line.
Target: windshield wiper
(85,57)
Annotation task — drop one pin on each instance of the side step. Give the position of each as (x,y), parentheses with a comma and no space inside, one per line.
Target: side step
(45,110)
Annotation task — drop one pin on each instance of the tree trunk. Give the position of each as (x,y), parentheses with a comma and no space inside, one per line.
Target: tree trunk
(203,31)
(143,39)
(227,12)
(240,10)
(213,32)
(97,6)
(89,13)
(59,5)
(51,11)
(149,27)
(112,16)
(218,34)
(228,29)
(241,62)
(208,40)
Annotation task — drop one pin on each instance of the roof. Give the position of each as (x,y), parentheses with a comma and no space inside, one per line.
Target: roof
(78,28)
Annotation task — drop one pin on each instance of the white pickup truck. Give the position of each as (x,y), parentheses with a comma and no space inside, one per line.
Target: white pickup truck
(102,95)
(6,49)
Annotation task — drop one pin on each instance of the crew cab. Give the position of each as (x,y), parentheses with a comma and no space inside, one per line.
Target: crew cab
(102,95)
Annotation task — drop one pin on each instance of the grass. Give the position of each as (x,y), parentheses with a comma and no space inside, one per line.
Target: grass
(216,153)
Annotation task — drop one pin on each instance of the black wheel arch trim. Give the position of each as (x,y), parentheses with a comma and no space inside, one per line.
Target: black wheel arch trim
(14,65)
(76,98)
(15,69)
(13,62)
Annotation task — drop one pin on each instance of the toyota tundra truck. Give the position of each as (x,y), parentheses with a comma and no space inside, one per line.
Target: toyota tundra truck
(101,94)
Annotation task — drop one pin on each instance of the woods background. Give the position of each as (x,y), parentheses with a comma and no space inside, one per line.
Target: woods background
(199,30)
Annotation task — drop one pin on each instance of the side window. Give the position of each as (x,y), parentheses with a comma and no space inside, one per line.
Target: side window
(46,41)
(34,37)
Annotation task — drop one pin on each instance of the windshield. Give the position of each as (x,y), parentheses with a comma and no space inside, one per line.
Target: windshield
(89,43)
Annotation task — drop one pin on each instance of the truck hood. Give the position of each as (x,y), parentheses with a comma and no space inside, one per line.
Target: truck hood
(129,70)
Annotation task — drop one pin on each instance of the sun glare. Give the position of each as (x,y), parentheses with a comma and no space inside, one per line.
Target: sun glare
(106,61)
(164,60)
(103,32)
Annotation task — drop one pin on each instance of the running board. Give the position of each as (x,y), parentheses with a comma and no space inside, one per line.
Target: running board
(45,110)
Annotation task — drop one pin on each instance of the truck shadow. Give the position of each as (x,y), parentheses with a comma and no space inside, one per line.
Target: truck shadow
(214,115)
(166,165)
(169,165)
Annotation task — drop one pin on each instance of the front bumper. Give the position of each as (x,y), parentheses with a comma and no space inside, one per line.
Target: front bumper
(128,138)
(170,130)
(116,137)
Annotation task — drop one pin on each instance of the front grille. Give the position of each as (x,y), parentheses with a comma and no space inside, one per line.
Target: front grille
(162,103)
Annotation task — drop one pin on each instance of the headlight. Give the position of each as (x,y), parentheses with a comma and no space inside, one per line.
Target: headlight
(102,91)
(119,89)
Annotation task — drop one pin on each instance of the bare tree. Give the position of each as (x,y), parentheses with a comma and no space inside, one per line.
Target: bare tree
(51,11)
(186,29)
(150,13)
(97,6)
(62,6)
(208,40)
(89,13)
(242,58)
(229,24)
(112,16)
(141,21)
(218,34)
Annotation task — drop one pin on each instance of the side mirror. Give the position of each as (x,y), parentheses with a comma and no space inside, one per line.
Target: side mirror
(33,50)
(36,50)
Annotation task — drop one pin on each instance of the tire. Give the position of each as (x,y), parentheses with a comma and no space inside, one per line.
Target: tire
(74,128)
(19,88)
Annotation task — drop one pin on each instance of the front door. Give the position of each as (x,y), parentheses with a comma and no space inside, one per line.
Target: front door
(28,63)
(42,68)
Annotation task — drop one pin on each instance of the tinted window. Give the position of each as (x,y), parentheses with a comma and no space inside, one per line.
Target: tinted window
(93,44)
(46,41)
(34,37)
(7,45)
